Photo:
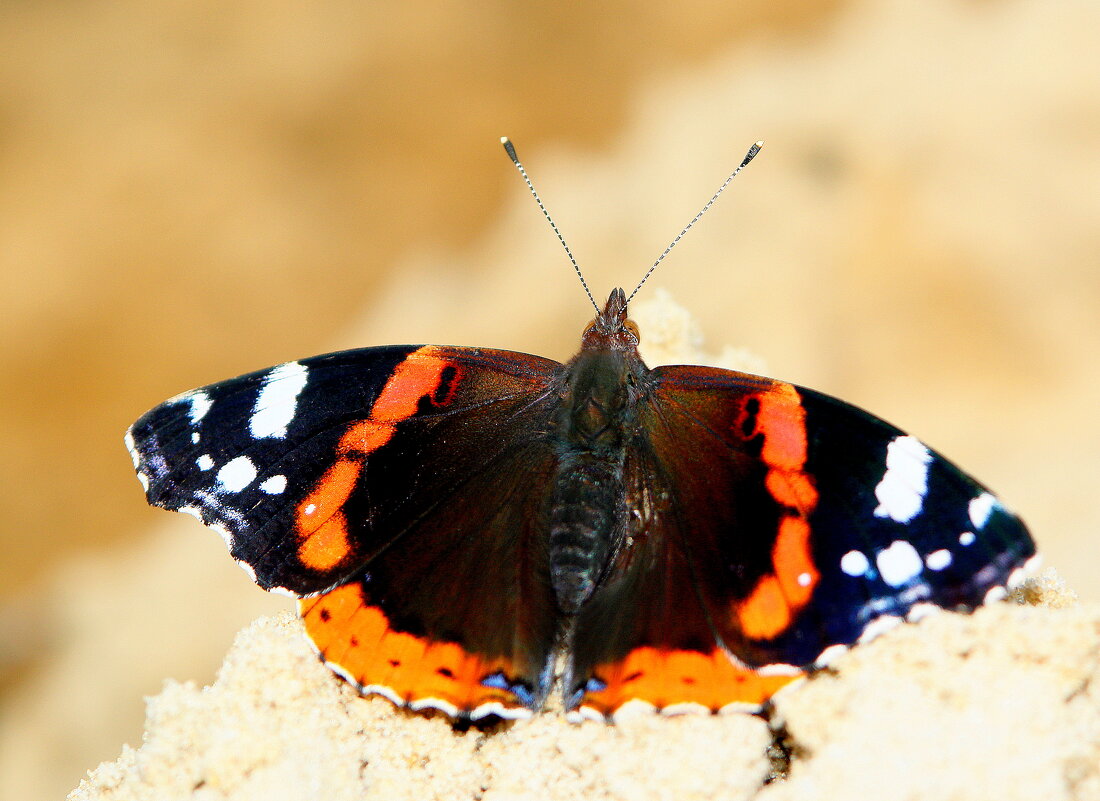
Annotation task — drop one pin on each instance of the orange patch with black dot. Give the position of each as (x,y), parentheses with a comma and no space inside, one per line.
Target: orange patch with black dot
(423,375)
(357,638)
(319,520)
(669,678)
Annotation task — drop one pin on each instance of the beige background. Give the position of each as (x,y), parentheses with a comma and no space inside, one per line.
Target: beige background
(192,190)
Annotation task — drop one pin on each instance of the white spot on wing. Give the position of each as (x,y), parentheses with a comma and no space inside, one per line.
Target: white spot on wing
(830,655)
(236,474)
(878,626)
(901,491)
(278,400)
(967,538)
(247,568)
(633,708)
(500,710)
(339,671)
(200,405)
(899,563)
(685,708)
(131,446)
(213,506)
(194,437)
(938,560)
(980,509)
(446,707)
(371,689)
(921,611)
(205,462)
(135,457)
(779,669)
(854,563)
(804,579)
(743,707)
(224,533)
(274,485)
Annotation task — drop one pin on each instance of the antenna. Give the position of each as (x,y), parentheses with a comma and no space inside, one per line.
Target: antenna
(511,150)
(744,162)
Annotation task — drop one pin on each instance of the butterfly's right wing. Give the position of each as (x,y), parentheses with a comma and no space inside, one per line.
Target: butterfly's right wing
(770,526)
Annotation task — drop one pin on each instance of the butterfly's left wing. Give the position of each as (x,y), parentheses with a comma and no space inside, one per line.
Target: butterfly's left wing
(771,525)
(400,493)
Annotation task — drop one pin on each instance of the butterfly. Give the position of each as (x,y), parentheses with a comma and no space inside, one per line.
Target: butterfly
(464,527)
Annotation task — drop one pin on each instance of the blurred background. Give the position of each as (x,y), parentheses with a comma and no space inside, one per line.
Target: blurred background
(192,190)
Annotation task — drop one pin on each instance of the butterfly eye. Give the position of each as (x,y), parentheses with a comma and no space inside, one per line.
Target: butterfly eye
(632,327)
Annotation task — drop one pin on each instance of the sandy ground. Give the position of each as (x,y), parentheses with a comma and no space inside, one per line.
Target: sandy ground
(1002,704)
(191,193)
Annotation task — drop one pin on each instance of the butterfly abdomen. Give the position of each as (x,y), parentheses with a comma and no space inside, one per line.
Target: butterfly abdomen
(585,520)
(587,506)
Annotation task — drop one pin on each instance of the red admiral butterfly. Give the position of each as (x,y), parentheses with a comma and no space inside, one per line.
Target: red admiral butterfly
(455,519)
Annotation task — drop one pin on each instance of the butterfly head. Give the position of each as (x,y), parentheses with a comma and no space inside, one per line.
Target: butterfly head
(611,330)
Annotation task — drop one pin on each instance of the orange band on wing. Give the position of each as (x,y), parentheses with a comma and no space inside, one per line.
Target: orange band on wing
(327,546)
(766,612)
(357,638)
(782,421)
(321,526)
(793,563)
(328,495)
(669,677)
(420,375)
(779,595)
(365,437)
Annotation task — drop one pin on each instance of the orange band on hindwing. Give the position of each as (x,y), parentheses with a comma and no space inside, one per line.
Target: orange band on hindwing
(358,639)
(780,594)
(320,523)
(667,678)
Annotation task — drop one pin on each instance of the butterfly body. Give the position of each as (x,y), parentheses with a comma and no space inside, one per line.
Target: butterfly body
(453,520)
(604,385)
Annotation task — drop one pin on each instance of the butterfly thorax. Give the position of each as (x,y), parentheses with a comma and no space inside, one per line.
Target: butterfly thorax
(591,431)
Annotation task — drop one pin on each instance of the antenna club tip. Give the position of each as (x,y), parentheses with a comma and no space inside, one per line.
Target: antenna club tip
(751,154)
(504,140)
